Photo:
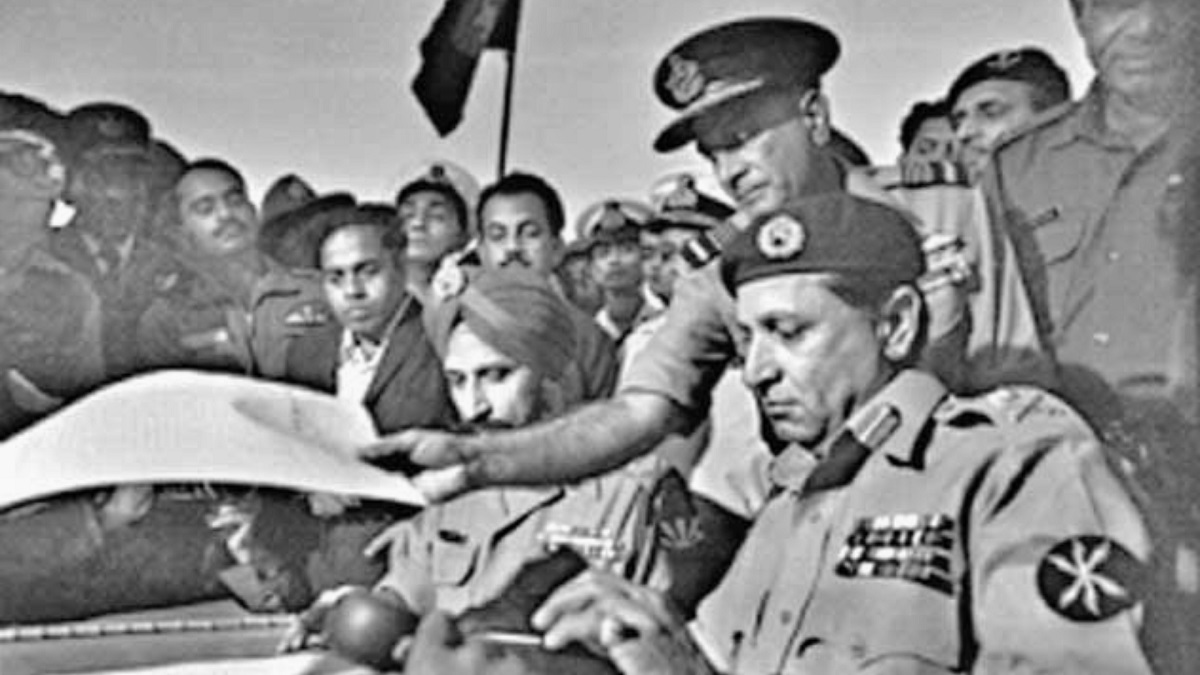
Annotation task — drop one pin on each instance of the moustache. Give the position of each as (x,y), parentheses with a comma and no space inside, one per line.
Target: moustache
(515,257)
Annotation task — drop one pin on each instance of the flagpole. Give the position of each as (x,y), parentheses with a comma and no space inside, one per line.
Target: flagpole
(510,56)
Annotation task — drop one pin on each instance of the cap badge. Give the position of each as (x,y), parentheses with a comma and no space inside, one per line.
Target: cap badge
(611,218)
(781,237)
(1005,60)
(683,195)
(685,81)
(437,174)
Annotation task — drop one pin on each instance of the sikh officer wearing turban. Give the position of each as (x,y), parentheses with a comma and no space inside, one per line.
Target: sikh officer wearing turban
(910,530)
(505,338)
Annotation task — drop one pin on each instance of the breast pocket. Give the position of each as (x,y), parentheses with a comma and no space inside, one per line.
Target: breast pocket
(454,562)
(1058,232)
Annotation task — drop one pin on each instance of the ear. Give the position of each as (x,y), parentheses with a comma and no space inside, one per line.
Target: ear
(814,111)
(554,401)
(900,323)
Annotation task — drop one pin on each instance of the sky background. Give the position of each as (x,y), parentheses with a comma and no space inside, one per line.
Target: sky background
(321,87)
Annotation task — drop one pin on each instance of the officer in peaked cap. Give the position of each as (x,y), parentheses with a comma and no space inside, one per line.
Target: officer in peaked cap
(1002,506)
(739,70)
(612,218)
(998,94)
(673,245)
(748,94)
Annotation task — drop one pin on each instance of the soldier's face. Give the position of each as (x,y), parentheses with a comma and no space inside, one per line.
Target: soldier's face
(986,110)
(667,252)
(216,215)
(767,169)
(489,389)
(364,282)
(811,358)
(432,226)
(1138,47)
(516,231)
(618,265)
(934,141)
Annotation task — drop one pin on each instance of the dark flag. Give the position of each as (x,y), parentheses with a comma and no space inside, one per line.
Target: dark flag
(450,52)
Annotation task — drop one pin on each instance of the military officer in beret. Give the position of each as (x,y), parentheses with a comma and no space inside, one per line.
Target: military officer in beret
(748,96)
(614,231)
(109,240)
(229,307)
(999,93)
(910,530)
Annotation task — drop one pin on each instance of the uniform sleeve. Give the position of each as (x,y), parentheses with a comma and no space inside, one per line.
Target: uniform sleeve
(1058,569)
(687,354)
(596,359)
(42,544)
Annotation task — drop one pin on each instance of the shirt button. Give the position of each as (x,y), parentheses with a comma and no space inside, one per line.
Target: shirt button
(785,617)
(1101,339)
(1114,256)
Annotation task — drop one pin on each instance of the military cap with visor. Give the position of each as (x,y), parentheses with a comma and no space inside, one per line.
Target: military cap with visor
(830,233)
(678,202)
(612,221)
(740,77)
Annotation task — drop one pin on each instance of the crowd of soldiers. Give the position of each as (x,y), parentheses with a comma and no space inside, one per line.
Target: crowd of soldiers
(931,417)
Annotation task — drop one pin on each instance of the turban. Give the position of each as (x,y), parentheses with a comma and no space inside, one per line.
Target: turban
(515,311)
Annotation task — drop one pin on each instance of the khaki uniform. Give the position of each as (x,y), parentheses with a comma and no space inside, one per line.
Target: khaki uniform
(1097,225)
(199,321)
(940,535)
(50,330)
(463,553)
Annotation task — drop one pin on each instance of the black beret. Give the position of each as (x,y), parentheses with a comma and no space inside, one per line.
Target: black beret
(293,237)
(833,232)
(1029,65)
(98,130)
(736,61)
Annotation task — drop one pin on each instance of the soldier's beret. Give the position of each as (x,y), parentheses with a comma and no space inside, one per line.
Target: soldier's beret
(834,232)
(98,130)
(612,220)
(678,202)
(738,62)
(1028,64)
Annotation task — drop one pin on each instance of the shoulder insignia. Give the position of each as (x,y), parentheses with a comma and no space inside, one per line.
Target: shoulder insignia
(680,533)
(165,283)
(307,314)
(1088,578)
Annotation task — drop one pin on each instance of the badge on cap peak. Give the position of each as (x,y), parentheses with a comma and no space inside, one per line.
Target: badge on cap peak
(684,81)
(781,237)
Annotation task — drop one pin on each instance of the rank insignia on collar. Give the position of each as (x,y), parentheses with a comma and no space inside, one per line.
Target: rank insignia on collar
(781,237)
(308,314)
(1088,578)
(680,533)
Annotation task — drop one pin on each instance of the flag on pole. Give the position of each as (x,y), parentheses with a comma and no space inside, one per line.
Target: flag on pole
(450,52)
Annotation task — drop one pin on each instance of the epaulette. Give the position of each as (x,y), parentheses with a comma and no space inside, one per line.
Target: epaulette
(1016,411)
(1040,120)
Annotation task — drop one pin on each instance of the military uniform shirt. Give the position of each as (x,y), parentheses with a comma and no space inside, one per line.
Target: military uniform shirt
(1092,217)
(939,535)
(460,554)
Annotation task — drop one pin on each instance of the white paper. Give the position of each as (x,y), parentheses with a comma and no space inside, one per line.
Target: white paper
(185,426)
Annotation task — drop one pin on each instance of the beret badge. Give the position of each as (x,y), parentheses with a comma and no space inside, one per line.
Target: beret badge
(781,237)
(111,126)
(685,82)
(1005,60)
